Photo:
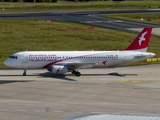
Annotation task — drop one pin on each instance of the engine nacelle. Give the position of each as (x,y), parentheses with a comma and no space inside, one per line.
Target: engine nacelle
(59,69)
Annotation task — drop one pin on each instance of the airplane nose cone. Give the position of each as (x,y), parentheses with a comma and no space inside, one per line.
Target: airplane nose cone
(6,62)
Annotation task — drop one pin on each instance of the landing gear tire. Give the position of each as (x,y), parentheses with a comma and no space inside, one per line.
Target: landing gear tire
(24,74)
(78,74)
(73,72)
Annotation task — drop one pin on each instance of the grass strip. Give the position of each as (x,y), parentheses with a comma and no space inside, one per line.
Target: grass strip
(8,7)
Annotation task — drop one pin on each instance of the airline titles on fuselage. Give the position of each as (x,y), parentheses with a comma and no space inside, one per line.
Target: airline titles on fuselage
(54,57)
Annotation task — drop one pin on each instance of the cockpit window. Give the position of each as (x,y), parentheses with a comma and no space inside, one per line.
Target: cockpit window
(13,57)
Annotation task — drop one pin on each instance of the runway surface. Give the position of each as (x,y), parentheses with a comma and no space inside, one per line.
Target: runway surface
(132,90)
(92,18)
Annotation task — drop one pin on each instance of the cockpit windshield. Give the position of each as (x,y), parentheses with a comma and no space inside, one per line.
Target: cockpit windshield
(13,57)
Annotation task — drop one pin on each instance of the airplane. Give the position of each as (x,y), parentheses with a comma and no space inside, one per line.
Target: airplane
(61,62)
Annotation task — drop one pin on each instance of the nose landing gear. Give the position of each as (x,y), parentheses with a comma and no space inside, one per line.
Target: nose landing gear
(24,73)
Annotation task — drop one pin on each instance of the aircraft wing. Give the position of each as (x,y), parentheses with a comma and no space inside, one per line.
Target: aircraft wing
(72,65)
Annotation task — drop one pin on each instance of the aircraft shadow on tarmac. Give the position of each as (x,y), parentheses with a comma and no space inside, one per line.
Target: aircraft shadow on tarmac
(109,74)
(11,81)
(60,77)
(51,75)
(64,77)
(16,75)
(121,75)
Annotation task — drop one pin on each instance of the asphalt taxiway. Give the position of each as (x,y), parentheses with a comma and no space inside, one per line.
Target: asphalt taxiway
(92,18)
(132,90)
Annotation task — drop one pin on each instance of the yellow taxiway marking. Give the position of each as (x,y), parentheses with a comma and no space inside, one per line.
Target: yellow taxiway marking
(104,83)
(137,81)
(133,81)
(87,101)
(121,80)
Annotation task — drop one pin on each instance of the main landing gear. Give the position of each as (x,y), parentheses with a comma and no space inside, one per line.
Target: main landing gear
(77,73)
(24,73)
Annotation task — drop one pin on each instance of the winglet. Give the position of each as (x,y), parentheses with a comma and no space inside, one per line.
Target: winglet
(142,40)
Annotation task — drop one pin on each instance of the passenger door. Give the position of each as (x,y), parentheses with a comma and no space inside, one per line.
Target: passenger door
(25,58)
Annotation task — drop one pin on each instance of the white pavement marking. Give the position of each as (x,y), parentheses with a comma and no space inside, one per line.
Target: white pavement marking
(3,109)
(78,112)
(37,111)
(97,112)
(21,110)
(58,111)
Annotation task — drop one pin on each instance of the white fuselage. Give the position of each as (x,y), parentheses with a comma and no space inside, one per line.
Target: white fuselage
(61,62)
(84,59)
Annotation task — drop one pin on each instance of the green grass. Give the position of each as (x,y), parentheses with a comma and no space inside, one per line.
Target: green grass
(77,6)
(19,35)
(153,18)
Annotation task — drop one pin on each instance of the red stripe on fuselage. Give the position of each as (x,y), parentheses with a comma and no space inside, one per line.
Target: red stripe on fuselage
(46,66)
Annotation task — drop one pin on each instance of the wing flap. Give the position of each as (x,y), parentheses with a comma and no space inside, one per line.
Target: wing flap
(72,66)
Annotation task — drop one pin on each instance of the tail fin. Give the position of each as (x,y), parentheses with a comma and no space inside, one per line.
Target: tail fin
(142,40)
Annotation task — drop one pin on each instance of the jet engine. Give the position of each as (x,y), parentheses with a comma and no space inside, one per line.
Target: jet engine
(59,69)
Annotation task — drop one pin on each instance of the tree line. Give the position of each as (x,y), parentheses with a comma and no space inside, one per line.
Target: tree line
(50,0)
(28,1)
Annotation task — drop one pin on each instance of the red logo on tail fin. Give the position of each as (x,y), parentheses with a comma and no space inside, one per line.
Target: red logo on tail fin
(142,40)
